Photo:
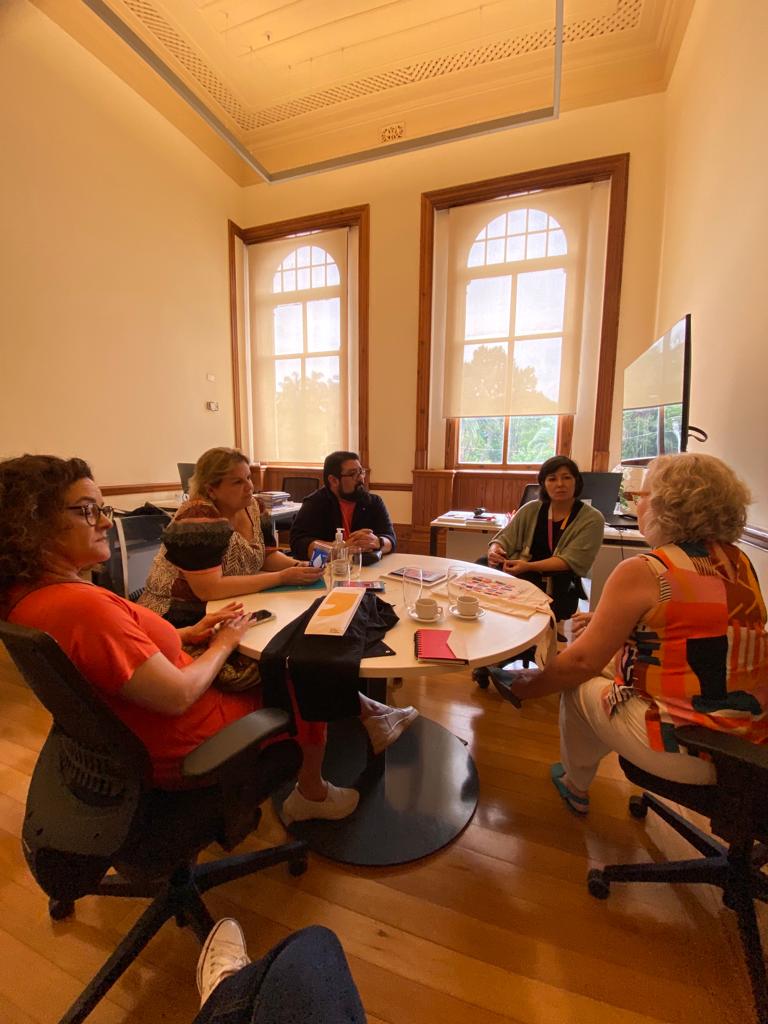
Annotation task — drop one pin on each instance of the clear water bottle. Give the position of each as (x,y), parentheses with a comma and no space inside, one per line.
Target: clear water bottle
(339,559)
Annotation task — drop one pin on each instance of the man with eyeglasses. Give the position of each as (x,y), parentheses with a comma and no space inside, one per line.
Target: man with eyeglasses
(343,502)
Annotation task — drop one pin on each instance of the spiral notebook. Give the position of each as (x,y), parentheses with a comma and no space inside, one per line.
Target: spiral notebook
(439,645)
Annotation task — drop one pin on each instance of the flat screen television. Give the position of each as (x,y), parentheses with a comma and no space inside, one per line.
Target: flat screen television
(657,392)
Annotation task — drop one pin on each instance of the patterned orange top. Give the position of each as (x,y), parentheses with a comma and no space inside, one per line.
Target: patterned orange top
(700,656)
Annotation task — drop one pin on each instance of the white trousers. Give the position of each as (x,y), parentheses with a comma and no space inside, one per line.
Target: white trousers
(588,733)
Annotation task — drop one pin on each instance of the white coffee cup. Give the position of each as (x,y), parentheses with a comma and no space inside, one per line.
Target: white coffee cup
(427,608)
(468,605)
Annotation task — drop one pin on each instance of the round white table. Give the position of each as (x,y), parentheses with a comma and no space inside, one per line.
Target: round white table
(422,792)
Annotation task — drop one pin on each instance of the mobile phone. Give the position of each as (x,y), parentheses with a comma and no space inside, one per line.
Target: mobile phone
(262,615)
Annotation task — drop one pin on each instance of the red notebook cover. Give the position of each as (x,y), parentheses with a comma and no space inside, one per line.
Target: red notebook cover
(432,645)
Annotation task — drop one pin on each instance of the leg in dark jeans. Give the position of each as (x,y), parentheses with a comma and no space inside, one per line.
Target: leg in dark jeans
(303,980)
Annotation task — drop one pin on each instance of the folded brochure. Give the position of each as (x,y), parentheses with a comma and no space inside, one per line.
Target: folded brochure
(335,612)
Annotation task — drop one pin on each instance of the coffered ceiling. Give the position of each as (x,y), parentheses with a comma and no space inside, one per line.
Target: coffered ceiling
(282,85)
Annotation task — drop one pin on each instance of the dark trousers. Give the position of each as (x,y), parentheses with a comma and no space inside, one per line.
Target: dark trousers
(303,980)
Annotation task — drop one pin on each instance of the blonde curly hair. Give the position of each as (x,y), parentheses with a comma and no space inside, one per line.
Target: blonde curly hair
(212,467)
(696,498)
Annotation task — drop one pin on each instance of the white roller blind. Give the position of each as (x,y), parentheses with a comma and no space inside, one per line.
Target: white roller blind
(515,284)
(299,331)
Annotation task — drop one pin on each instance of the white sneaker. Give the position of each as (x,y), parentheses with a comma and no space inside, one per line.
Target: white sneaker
(338,803)
(223,954)
(383,730)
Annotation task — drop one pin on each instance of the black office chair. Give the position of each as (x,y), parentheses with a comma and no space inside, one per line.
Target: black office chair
(300,486)
(530,493)
(134,540)
(186,471)
(91,807)
(737,807)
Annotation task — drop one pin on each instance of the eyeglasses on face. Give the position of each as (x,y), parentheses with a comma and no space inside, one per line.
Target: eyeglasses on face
(634,495)
(92,512)
(355,473)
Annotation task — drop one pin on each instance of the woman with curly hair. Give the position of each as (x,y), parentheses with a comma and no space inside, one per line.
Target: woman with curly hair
(53,526)
(688,620)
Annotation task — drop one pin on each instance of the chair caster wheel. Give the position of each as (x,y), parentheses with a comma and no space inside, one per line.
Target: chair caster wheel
(298,867)
(638,807)
(597,884)
(482,677)
(58,910)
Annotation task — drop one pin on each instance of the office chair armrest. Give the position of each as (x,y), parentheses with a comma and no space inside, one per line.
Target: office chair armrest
(721,745)
(233,740)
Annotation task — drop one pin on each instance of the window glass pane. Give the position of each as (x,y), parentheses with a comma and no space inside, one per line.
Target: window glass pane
(515,248)
(516,222)
(481,439)
(537,245)
(319,256)
(302,256)
(302,278)
(495,251)
(540,301)
(476,255)
(673,428)
(290,260)
(537,220)
(531,438)
(277,282)
(640,433)
(333,275)
(498,227)
(325,368)
(537,366)
(487,312)
(484,375)
(323,317)
(287,373)
(289,281)
(556,245)
(288,329)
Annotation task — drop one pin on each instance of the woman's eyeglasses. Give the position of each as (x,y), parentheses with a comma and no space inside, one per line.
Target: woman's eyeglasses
(634,495)
(92,512)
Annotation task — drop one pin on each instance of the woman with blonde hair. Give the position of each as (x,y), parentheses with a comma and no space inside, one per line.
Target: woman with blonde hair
(218,545)
(688,620)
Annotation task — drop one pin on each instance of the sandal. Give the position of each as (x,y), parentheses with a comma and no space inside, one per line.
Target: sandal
(578,804)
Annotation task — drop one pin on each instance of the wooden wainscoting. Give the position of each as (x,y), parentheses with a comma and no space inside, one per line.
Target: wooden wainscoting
(437,490)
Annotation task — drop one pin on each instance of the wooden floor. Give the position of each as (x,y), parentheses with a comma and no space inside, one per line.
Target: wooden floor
(497,928)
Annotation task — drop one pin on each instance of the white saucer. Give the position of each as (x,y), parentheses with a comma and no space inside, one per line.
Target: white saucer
(465,618)
(427,622)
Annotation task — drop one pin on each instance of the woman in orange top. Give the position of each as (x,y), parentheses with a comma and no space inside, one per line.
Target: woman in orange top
(688,620)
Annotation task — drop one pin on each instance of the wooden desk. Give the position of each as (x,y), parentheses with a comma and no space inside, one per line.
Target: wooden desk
(420,793)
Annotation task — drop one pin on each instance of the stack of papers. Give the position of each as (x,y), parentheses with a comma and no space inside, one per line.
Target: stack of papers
(272,498)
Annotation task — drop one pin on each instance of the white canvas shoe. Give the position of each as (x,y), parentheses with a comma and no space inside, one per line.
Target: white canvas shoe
(338,803)
(383,730)
(223,954)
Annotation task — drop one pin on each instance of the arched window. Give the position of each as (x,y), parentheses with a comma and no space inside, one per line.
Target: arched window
(514,277)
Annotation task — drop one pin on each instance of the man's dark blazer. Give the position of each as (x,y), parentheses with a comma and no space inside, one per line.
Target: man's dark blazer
(320,515)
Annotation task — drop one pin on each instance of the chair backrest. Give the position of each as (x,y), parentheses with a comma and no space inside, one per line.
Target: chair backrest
(186,469)
(133,543)
(300,486)
(530,493)
(90,775)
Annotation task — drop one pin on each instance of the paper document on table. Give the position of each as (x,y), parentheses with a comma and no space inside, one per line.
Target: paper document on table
(334,613)
(506,594)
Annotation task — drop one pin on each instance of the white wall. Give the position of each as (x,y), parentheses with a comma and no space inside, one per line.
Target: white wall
(113,272)
(714,262)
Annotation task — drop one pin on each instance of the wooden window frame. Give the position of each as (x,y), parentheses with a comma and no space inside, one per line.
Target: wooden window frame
(614,169)
(351,216)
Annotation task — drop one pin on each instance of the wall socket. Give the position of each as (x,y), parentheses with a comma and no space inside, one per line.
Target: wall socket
(212,406)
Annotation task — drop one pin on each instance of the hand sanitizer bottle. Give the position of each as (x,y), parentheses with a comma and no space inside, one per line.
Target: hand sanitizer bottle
(339,560)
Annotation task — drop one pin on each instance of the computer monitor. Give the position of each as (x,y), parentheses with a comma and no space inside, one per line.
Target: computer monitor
(602,489)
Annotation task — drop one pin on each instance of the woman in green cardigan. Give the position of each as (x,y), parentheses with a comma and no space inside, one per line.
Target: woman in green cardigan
(552,542)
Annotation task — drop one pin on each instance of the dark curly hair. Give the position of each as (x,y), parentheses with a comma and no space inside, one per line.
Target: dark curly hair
(32,489)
